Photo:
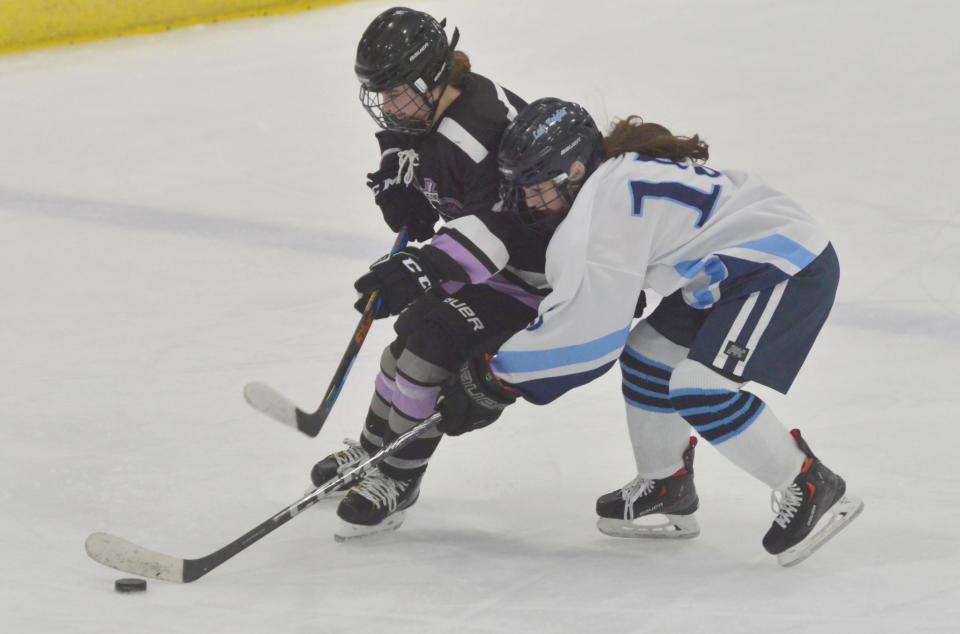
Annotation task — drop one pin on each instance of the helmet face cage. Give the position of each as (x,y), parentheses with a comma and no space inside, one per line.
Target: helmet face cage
(402,56)
(540,206)
(400,109)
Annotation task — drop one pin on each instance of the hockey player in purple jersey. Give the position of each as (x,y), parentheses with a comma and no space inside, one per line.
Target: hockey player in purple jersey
(478,280)
(747,279)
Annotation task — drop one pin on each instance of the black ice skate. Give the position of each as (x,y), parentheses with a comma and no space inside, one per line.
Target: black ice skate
(375,504)
(336,464)
(816,494)
(674,497)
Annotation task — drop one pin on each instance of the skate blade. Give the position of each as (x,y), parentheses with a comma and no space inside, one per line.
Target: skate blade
(349,532)
(674,527)
(841,514)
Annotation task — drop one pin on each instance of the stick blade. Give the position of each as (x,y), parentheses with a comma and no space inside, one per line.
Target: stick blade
(264,398)
(121,554)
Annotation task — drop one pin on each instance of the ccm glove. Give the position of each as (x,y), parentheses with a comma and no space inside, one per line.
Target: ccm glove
(398,279)
(473,398)
(395,191)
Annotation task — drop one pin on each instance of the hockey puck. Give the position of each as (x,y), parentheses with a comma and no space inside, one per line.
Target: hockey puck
(130,585)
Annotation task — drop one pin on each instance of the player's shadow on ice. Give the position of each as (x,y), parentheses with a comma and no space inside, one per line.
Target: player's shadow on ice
(135,217)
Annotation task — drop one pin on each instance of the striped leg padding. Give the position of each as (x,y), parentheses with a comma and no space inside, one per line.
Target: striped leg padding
(375,425)
(414,399)
(717,415)
(412,403)
(646,382)
(385,386)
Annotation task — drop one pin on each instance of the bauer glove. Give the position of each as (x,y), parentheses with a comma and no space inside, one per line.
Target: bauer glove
(473,398)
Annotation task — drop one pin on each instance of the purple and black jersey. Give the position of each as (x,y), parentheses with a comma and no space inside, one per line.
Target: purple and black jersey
(457,174)
(493,249)
(457,161)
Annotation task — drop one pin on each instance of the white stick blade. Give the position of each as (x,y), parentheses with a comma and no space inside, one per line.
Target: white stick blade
(267,400)
(118,553)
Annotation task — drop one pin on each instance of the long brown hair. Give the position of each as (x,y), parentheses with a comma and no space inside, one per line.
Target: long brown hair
(652,139)
(459,69)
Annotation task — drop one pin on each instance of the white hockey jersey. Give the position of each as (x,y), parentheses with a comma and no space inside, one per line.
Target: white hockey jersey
(650,223)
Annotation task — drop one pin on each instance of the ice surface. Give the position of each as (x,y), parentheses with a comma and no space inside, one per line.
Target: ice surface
(183,213)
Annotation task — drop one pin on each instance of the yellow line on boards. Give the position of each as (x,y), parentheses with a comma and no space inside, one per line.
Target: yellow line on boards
(28,24)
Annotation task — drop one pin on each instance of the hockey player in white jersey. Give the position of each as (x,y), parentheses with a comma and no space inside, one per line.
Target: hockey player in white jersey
(748,279)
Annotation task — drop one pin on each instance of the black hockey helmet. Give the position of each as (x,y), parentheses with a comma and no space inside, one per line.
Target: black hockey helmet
(403,48)
(537,150)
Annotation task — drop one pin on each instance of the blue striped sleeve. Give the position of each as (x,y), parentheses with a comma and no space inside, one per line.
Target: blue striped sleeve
(539,360)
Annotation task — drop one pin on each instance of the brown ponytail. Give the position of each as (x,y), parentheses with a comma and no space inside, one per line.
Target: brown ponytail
(459,69)
(652,139)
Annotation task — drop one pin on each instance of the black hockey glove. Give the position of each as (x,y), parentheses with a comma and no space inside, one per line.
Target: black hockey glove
(396,192)
(399,279)
(473,398)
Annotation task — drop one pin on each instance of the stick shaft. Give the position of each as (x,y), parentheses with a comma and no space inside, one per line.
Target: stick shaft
(311,424)
(126,556)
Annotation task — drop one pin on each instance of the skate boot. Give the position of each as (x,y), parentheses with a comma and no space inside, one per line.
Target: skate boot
(816,494)
(335,465)
(674,497)
(375,504)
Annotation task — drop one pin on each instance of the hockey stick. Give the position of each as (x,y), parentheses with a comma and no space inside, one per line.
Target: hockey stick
(121,554)
(278,407)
